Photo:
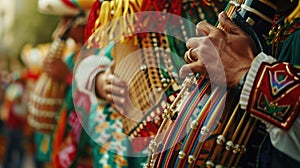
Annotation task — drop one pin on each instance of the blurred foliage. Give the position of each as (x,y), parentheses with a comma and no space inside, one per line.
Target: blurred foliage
(30,27)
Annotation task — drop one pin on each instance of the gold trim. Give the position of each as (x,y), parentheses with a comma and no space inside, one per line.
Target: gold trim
(235,3)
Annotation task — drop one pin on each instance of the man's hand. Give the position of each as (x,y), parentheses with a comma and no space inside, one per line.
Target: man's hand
(113,89)
(222,56)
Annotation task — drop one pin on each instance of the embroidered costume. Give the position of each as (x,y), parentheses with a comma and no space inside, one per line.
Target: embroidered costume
(271,91)
(115,136)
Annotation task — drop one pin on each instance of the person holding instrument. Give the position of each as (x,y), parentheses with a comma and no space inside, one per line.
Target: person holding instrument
(66,145)
(269,81)
(104,81)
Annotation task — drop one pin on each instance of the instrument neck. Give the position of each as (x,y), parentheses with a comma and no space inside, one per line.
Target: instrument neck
(57,48)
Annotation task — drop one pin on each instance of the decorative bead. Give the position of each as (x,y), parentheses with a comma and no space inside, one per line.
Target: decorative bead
(220,140)
(250,21)
(229,145)
(152,145)
(191,159)
(181,155)
(194,124)
(167,113)
(242,149)
(204,130)
(219,166)
(236,148)
(143,67)
(209,164)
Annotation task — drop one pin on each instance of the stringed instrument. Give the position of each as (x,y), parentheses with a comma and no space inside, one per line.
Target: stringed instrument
(204,127)
(48,95)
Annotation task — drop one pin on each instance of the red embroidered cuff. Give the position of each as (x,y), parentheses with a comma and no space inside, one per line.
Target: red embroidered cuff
(275,94)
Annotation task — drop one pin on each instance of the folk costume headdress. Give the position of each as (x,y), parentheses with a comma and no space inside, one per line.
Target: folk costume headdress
(63,7)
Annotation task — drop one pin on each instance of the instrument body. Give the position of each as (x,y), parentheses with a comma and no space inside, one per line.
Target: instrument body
(48,96)
(147,79)
(151,68)
(211,130)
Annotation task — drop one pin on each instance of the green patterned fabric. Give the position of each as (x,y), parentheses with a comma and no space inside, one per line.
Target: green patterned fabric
(104,126)
(43,143)
(290,49)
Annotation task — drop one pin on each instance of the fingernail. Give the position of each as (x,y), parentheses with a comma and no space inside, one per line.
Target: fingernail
(122,91)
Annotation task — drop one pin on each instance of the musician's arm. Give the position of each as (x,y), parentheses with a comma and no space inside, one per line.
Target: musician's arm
(271,91)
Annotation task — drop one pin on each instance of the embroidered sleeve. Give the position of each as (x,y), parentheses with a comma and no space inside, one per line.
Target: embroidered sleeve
(271,91)
(87,70)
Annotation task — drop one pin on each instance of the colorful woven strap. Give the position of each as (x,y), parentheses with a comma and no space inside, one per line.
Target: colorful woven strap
(201,127)
(179,126)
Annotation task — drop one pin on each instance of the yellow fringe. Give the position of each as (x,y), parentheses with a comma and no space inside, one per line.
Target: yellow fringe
(107,29)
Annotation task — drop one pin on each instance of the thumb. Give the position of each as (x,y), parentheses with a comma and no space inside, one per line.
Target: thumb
(228,26)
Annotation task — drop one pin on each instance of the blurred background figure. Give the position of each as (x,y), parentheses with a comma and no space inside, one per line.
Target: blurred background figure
(14,114)
(63,147)
(16,30)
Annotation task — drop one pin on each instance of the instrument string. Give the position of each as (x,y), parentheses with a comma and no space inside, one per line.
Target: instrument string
(180,125)
(195,128)
(229,143)
(237,146)
(221,138)
(206,130)
(247,138)
(231,10)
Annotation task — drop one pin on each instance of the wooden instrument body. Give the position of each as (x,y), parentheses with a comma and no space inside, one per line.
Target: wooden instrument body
(48,96)
(141,67)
